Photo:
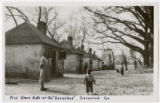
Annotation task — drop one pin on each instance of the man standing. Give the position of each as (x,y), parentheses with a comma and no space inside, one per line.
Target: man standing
(122,69)
(135,64)
(89,80)
(43,69)
(125,63)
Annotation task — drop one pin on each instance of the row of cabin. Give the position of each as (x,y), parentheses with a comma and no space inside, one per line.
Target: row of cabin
(78,60)
(91,60)
(25,44)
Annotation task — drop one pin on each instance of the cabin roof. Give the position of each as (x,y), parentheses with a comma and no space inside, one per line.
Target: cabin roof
(27,33)
(88,55)
(69,47)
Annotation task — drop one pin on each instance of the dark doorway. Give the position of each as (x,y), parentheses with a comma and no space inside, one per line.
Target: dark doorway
(90,62)
(53,70)
(81,65)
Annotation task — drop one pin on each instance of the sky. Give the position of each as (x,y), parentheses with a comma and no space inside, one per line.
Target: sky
(66,14)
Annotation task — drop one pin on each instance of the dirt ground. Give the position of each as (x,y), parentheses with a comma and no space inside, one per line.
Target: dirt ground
(108,82)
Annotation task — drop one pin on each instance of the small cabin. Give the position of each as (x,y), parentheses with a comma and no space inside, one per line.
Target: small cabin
(74,58)
(25,44)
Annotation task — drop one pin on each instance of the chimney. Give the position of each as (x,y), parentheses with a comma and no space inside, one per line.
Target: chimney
(42,27)
(90,50)
(70,39)
(82,47)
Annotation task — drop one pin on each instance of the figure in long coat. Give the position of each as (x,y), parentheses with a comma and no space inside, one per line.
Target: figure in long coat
(122,68)
(43,70)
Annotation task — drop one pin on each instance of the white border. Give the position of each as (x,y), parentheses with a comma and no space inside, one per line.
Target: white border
(153,98)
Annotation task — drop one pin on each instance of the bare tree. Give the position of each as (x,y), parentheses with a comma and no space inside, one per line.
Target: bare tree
(19,14)
(73,29)
(11,14)
(84,31)
(48,14)
(50,17)
(121,30)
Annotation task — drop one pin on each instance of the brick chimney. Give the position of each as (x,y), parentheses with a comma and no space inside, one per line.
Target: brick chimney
(82,47)
(90,50)
(42,26)
(70,39)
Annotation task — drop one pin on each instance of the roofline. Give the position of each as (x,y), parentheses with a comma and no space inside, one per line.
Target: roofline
(74,53)
(31,26)
(33,43)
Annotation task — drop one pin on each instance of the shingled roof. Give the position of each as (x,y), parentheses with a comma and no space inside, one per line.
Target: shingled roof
(96,57)
(85,54)
(27,33)
(88,55)
(69,47)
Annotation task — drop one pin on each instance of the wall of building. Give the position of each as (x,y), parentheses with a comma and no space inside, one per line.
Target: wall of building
(100,64)
(95,64)
(23,59)
(87,60)
(59,65)
(54,54)
(71,63)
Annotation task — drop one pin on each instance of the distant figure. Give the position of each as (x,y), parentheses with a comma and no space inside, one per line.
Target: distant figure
(135,64)
(88,70)
(117,71)
(122,69)
(140,66)
(125,63)
(140,62)
(43,69)
(89,80)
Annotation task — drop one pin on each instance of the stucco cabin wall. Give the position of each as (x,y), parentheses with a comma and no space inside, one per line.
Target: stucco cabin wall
(71,63)
(24,58)
(54,71)
(95,65)
(59,64)
(85,60)
(100,65)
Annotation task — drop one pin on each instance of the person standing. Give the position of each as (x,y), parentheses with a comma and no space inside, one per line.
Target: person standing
(125,63)
(122,68)
(89,80)
(43,70)
(135,64)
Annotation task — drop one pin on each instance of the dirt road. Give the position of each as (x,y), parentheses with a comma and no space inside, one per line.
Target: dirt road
(108,82)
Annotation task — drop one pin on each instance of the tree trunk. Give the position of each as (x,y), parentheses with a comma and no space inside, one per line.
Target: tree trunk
(148,54)
(151,54)
(146,59)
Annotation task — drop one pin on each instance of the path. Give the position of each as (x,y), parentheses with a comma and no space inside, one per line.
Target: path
(108,82)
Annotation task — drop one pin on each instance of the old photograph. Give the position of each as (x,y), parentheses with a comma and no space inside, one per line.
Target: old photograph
(79,50)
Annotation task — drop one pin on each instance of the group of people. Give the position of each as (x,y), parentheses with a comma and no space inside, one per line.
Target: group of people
(138,66)
(89,79)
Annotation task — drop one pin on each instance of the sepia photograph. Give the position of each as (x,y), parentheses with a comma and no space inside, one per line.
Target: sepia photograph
(79,50)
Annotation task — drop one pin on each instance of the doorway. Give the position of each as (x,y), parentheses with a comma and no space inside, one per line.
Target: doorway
(81,65)
(53,69)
